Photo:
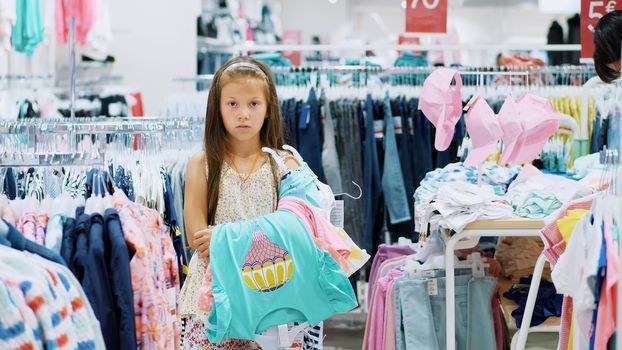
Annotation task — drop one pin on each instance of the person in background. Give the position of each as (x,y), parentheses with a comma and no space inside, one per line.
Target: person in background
(607,46)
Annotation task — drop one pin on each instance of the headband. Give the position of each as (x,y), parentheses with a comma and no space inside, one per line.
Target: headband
(246,65)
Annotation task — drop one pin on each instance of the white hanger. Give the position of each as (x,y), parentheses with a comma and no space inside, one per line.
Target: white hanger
(279,161)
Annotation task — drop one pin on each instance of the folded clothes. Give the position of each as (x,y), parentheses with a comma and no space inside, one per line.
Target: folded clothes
(548,302)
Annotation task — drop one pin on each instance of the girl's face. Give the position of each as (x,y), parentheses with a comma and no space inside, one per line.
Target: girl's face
(243,108)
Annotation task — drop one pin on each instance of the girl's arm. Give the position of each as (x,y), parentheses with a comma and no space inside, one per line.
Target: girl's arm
(195,198)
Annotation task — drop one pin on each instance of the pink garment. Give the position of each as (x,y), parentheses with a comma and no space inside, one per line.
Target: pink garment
(496,319)
(378,321)
(32,226)
(607,307)
(384,253)
(442,104)
(154,274)
(316,223)
(380,271)
(484,130)
(554,244)
(389,317)
(84,12)
(370,312)
(566,321)
(390,265)
(538,122)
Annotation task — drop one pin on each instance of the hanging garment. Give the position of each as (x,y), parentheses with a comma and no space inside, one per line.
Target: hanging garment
(84,12)
(28,30)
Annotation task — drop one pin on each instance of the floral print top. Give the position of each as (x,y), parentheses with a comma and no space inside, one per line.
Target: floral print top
(154,273)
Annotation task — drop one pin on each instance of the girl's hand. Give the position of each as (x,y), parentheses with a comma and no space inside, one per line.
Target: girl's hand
(202,241)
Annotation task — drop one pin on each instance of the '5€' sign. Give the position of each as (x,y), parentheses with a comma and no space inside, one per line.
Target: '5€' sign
(591,12)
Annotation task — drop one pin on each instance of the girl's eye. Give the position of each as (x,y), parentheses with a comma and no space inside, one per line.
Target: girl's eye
(255,104)
(232,104)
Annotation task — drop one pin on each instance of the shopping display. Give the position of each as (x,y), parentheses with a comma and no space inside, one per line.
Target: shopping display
(249,174)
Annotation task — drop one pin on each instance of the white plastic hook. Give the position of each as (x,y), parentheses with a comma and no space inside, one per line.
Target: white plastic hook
(279,161)
(294,152)
(351,196)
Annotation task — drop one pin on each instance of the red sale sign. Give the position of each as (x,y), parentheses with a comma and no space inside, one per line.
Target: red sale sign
(591,12)
(426,16)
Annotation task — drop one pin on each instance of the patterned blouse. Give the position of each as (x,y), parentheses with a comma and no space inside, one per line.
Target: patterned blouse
(154,273)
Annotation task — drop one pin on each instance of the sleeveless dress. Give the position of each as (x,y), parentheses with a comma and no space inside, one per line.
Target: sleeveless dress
(237,201)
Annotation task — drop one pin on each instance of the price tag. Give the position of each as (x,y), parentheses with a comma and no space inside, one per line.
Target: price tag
(379,128)
(171,297)
(336,215)
(283,336)
(305,116)
(432,287)
(397,121)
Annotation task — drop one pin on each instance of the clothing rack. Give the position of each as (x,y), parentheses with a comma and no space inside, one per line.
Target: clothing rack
(82,126)
(244,49)
(51,159)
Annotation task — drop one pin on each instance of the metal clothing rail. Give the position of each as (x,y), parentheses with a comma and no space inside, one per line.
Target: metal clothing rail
(246,48)
(83,126)
(505,70)
(51,159)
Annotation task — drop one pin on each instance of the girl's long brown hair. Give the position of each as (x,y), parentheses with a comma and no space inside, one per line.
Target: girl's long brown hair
(271,134)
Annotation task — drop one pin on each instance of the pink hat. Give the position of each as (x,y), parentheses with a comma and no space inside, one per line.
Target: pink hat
(441,104)
(511,126)
(538,122)
(484,130)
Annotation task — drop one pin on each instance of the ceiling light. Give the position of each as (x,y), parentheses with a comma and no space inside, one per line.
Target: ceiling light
(332,1)
(404,4)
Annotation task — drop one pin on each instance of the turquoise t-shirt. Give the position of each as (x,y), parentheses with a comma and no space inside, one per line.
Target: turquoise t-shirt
(269,271)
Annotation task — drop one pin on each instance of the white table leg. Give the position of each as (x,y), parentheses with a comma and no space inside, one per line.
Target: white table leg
(531,302)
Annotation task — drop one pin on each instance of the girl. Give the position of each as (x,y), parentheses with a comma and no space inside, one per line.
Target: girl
(231,179)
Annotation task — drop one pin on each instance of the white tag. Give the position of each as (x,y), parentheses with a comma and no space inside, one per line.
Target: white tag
(379,128)
(428,273)
(411,127)
(361,292)
(398,125)
(171,297)
(336,215)
(432,287)
(283,336)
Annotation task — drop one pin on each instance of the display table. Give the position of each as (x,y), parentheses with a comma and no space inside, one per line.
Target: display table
(469,238)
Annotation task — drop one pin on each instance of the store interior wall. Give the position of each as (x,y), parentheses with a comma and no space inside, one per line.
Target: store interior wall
(154,42)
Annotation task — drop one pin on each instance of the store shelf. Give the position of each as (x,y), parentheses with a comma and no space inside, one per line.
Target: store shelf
(506,224)
(507,306)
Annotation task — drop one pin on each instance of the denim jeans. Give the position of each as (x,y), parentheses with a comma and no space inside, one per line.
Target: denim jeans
(372,190)
(10,184)
(613,133)
(309,137)
(349,147)
(422,150)
(392,179)
(290,121)
(423,315)
(595,144)
(405,150)
(330,158)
